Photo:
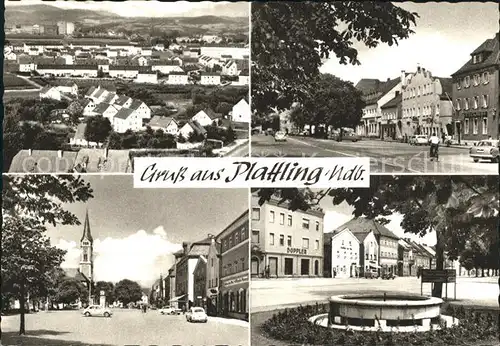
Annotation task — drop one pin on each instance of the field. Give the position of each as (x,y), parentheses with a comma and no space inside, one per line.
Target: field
(13,82)
(24,94)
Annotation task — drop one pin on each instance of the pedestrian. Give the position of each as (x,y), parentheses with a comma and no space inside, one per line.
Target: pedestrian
(267,272)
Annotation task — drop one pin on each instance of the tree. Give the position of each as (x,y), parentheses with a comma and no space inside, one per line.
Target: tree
(289,41)
(114,141)
(332,102)
(128,291)
(30,202)
(428,204)
(70,291)
(108,288)
(98,129)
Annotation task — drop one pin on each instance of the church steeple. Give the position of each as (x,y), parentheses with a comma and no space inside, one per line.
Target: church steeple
(86,229)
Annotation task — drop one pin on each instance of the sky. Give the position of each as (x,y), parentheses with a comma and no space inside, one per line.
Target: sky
(153,8)
(336,216)
(445,35)
(136,231)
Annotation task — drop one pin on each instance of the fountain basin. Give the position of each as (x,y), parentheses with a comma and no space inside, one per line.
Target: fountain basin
(384,312)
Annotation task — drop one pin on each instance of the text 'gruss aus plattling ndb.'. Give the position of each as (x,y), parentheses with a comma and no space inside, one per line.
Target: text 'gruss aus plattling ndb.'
(152,172)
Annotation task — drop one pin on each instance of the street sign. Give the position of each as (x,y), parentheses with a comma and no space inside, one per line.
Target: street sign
(436,276)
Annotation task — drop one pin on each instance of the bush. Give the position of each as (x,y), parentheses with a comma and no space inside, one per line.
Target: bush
(292,326)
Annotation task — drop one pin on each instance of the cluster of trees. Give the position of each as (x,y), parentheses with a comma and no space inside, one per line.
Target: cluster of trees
(28,258)
(144,139)
(40,111)
(461,210)
(291,41)
(227,136)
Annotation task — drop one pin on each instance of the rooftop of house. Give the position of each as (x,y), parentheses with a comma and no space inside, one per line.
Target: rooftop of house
(362,225)
(124,113)
(159,121)
(394,102)
(490,49)
(102,160)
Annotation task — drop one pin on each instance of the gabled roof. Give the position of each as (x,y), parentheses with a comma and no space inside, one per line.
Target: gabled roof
(109,97)
(365,226)
(136,104)
(100,108)
(91,91)
(196,127)
(367,85)
(394,102)
(121,100)
(100,92)
(199,250)
(160,121)
(447,86)
(491,50)
(124,113)
(46,89)
(42,161)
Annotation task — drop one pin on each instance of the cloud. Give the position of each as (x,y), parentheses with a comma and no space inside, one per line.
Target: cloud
(141,256)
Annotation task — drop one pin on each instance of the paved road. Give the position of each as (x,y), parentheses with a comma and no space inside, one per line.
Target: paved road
(126,327)
(386,157)
(241,151)
(278,293)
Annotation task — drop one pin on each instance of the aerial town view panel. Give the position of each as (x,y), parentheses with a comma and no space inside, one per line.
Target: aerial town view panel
(90,86)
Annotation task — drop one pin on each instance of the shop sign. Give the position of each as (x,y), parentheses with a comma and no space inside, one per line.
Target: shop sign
(296,251)
(235,281)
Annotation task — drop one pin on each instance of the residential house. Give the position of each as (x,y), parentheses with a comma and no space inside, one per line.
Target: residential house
(123,71)
(216,51)
(68,70)
(88,107)
(391,125)
(126,119)
(213,276)
(241,112)
(123,101)
(234,276)
(106,110)
(341,250)
(170,287)
(205,118)
(166,124)
(243,78)
(475,94)
(147,78)
(210,78)
(142,61)
(230,68)
(67,87)
(192,127)
(166,66)
(178,78)
(50,92)
(405,258)
(141,109)
(427,105)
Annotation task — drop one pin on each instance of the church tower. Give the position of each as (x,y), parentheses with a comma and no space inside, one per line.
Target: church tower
(86,245)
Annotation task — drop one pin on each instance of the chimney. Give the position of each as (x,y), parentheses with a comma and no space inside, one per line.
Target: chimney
(403,78)
(59,153)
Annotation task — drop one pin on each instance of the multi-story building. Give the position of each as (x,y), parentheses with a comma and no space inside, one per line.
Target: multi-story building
(200,282)
(341,250)
(375,94)
(286,243)
(215,51)
(210,78)
(234,280)
(427,106)
(213,276)
(65,28)
(241,112)
(476,90)
(421,257)
(391,126)
(388,248)
(405,258)
(178,78)
(184,271)
(170,287)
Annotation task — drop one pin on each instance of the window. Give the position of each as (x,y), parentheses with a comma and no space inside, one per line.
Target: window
(282,218)
(271,216)
(476,79)
(243,233)
(349,243)
(366,256)
(475,126)
(466,104)
(271,238)
(255,236)
(211,262)
(485,126)
(289,222)
(305,243)
(316,245)
(305,223)
(486,78)
(236,238)
(485,101)
(338,254)
(476,102)
(256,214)
(437,109)
(467,82)
(282,240)
(317,225)
(458,104)
(289,240)
(85,257)
(466,126)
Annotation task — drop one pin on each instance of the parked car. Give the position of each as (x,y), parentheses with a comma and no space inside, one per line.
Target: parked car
(346,136)
(168,310)
(388,276)
(371,274)
(97,310)
(485,150)
(197,314)
(280,136)
(269,132)
(304,133)
(419,140)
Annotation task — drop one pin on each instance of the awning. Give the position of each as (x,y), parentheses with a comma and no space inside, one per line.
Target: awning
(176,299)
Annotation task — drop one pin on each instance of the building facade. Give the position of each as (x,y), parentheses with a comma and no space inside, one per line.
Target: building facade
(234,281)
(427,105)
(200,282)
(388,250)
(476,90)
(286,243)
(391,126)
(342,247)
(213,276)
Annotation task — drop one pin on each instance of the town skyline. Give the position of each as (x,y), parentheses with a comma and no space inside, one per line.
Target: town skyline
(135,233)
(439,30)
(150,8)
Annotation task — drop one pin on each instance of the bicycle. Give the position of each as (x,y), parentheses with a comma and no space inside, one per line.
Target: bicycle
(434,152)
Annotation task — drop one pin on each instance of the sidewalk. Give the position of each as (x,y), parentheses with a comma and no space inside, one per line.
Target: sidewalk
(230,321)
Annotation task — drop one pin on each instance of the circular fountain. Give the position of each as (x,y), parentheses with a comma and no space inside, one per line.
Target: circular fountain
(384,313)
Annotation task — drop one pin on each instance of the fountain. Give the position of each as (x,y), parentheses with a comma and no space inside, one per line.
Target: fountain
(368,312)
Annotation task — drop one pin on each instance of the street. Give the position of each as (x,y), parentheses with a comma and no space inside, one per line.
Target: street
(279,293)
(386,157)
(125,327)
